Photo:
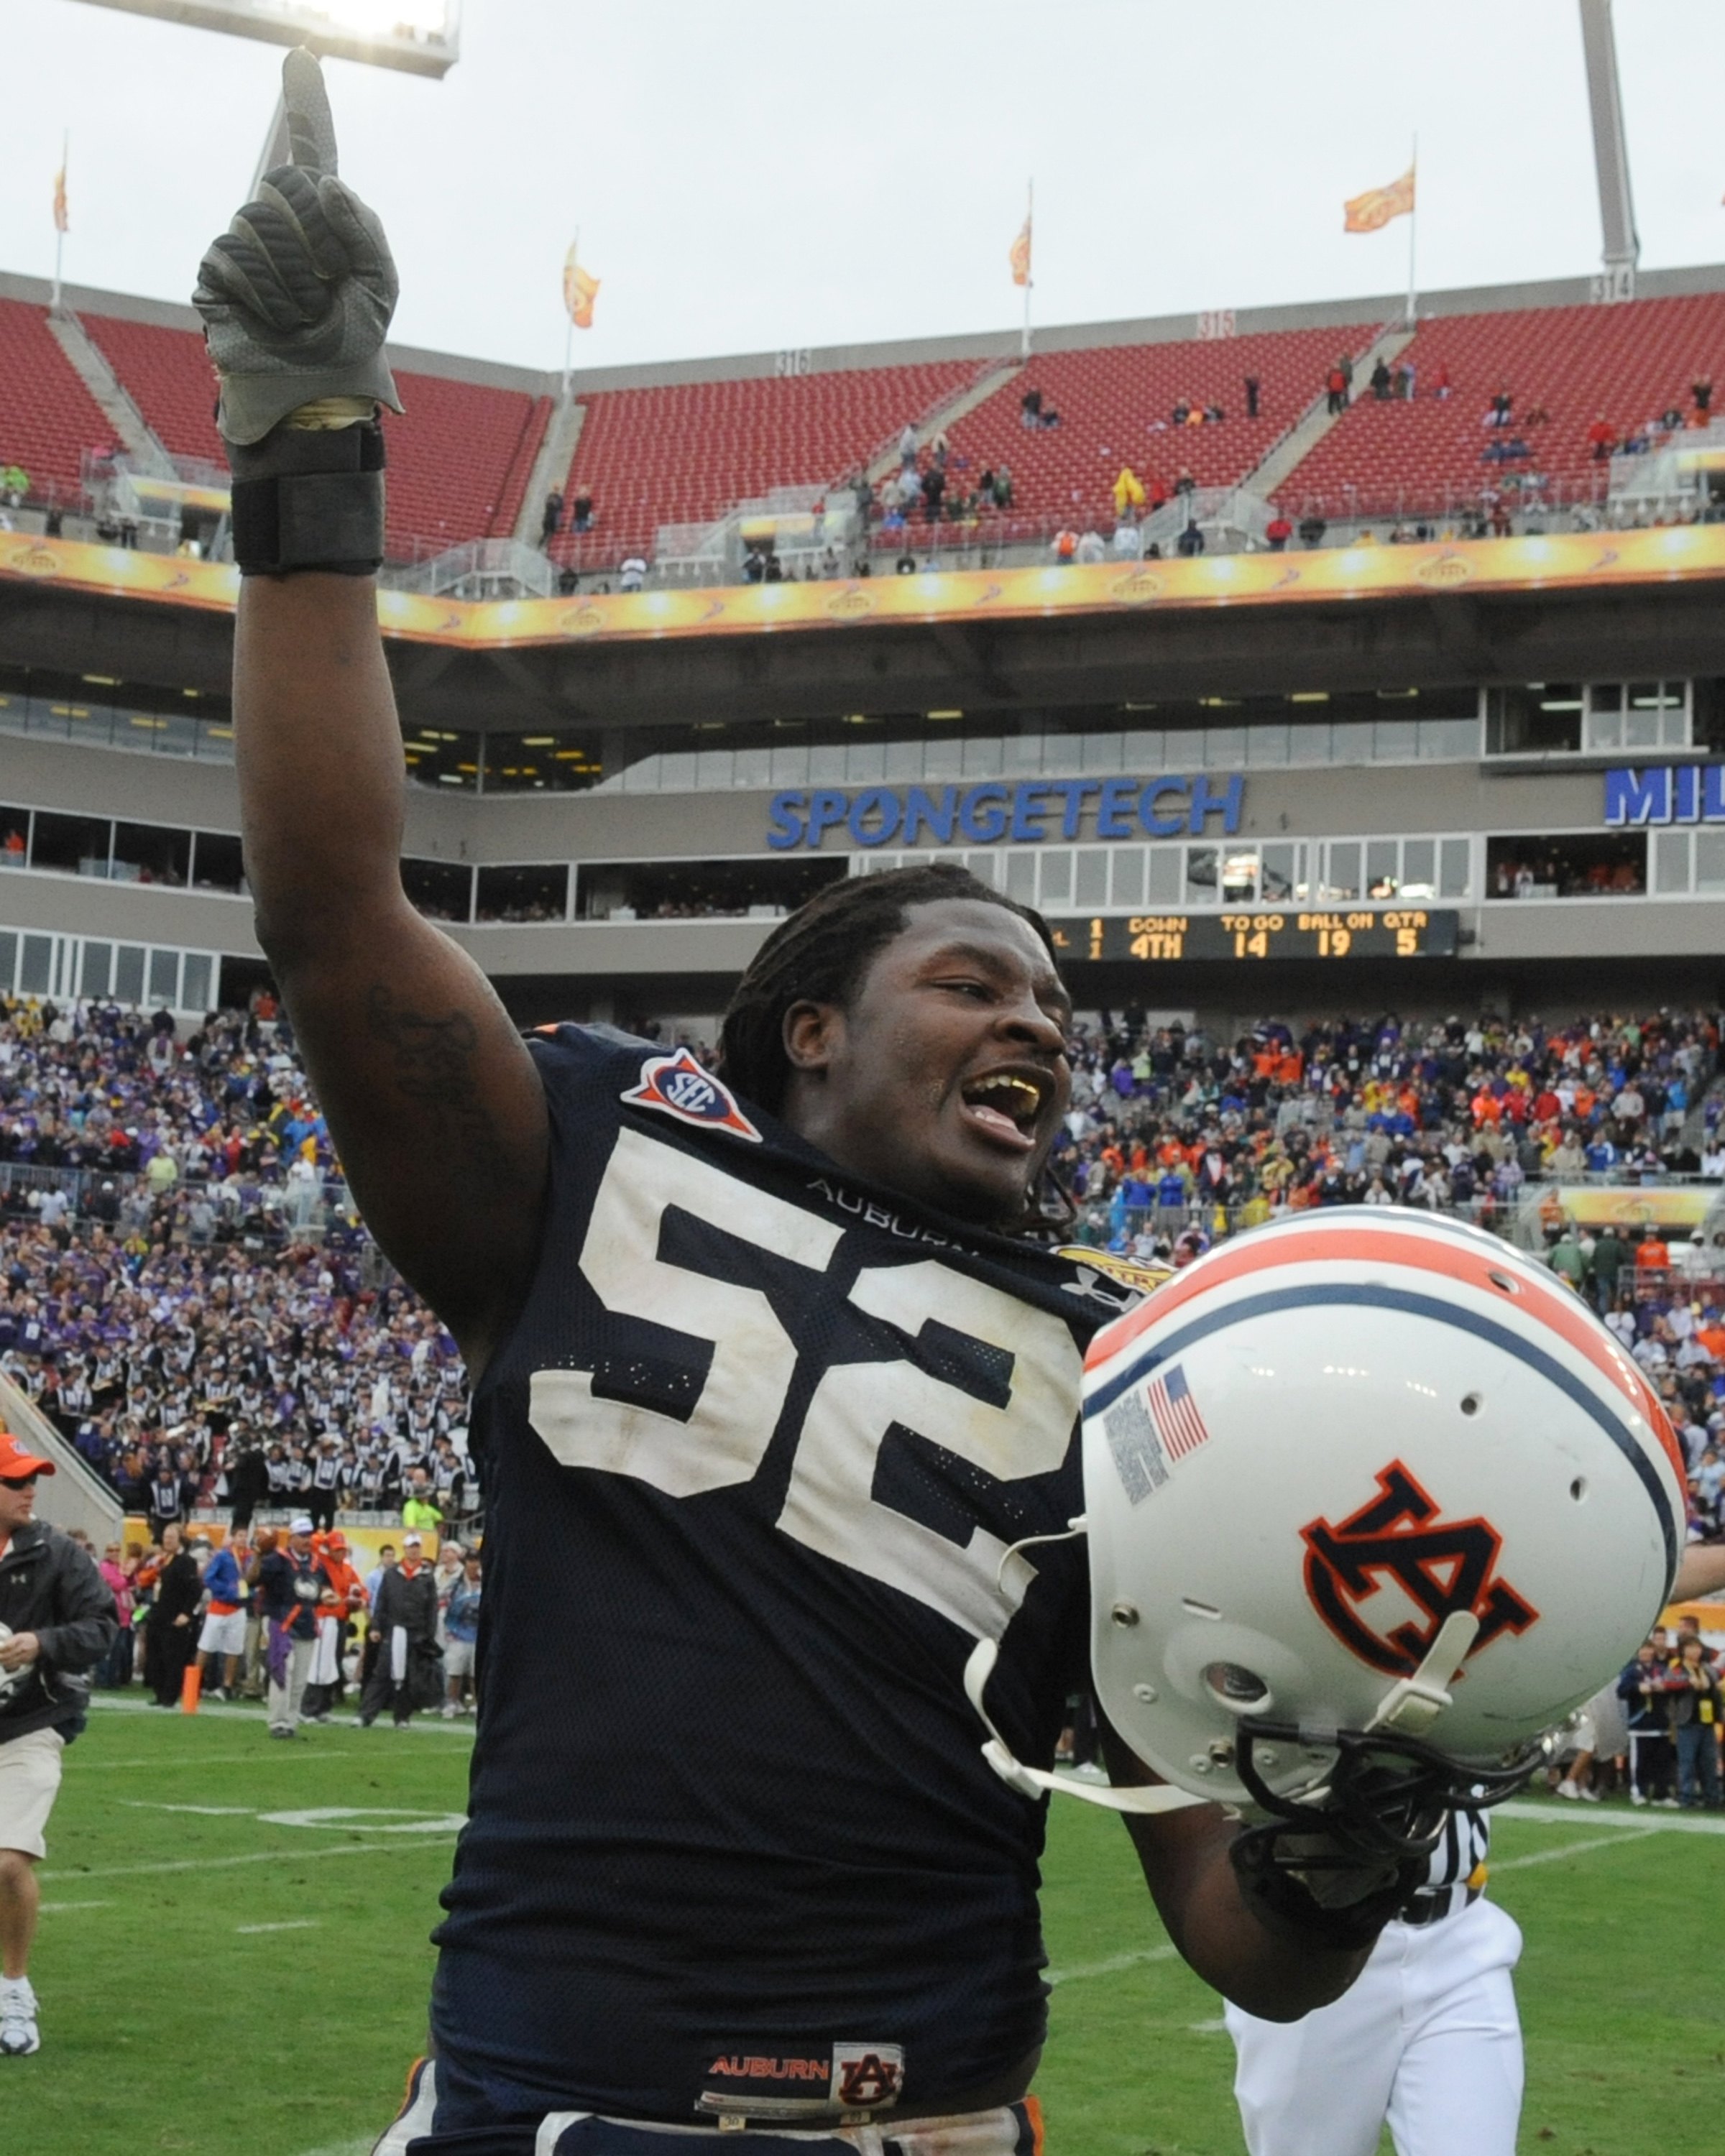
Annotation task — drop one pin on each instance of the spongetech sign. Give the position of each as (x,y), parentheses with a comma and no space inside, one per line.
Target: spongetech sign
(1025,814)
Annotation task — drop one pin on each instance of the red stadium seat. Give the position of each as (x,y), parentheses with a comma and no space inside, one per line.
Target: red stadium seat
(458,459)
(1114,402)
(48,418)
(684,453)
(1423,457)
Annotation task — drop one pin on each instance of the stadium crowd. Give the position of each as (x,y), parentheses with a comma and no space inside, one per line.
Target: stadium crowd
(184,1287)
(186,1292)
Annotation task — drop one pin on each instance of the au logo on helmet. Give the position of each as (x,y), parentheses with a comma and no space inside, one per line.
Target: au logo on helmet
(677,1086)
(1443,1566)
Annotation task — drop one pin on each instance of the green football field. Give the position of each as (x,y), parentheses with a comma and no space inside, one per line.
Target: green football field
(232,1957)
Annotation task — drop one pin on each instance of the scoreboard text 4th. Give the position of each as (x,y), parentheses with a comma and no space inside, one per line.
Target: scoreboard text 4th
(1292,932)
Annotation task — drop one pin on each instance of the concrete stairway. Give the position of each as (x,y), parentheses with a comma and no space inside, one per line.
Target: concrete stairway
(130,428)
(551,467)
(1316,421)
(74,1495)
(946,413)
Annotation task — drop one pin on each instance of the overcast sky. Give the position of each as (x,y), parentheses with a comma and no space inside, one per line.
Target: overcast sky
(776,172)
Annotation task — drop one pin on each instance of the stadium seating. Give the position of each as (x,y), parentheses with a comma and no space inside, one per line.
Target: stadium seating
(458,459)
(48,418)
(166,373)
(1114,404)
(1628,362)
(684,452)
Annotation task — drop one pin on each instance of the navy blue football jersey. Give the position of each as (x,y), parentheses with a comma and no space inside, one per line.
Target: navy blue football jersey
(755,1456)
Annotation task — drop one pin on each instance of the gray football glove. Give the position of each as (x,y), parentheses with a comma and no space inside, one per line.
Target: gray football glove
(296,296)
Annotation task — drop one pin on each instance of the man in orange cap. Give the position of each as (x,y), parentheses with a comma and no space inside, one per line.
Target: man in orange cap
(341,1593)
(56,1623)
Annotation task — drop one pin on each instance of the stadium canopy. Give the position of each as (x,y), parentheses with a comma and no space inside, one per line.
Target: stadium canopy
(418,37)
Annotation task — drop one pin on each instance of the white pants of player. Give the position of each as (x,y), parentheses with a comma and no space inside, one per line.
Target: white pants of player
(1427,2038)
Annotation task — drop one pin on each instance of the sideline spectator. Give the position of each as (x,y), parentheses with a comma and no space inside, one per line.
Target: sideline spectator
(1695,1706)
(168,1637)
(62,1625)
(222,1640)
(289,1587)
(461,1639)
(404,1614)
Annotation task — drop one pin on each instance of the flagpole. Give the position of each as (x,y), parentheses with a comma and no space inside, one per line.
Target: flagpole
(1030,227)
(1413,233)
(569,324)
(59,229)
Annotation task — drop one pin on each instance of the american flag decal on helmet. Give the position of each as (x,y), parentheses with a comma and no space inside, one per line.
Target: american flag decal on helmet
(1174,1412)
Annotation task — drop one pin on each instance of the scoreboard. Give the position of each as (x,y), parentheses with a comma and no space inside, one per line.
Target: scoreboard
(1400,932)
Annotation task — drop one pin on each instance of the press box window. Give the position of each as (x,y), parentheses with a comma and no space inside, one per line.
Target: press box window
(1634,716)
(540,893)
(1534,718)
(441,891)
(1566,864)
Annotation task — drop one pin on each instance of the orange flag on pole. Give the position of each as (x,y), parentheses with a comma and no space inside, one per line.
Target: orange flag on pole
(1371,210)
(1019,256)
(60,198)
(580,290)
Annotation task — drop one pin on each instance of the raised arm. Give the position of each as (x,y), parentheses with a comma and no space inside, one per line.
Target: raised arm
(432,1098)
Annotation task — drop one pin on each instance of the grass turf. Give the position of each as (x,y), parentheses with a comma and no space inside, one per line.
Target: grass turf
(181,2012)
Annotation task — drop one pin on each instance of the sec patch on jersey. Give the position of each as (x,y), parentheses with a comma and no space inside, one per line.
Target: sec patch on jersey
(677,1086)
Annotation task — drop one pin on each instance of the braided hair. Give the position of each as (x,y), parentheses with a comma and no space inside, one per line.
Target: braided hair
(821,954)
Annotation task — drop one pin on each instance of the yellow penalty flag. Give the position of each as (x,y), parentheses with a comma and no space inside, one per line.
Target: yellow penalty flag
(580,290)
(1371,210)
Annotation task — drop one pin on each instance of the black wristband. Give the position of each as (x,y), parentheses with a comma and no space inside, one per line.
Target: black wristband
(310,498)
(1284,1907)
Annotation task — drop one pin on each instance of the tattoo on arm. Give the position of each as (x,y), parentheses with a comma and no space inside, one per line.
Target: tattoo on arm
(434,1061)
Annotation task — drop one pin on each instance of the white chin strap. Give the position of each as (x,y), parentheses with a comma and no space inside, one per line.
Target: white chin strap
(1033,1781)
(1413,1704)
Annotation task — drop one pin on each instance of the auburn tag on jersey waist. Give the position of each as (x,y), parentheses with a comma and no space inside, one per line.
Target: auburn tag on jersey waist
(744,2081)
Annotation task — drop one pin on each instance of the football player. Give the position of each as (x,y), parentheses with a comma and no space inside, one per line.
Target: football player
(770,1387)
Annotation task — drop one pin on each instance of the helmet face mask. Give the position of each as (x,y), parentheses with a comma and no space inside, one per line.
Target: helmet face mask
(1373,1504)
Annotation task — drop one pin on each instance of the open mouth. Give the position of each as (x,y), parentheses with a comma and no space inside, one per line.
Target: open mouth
(1006,1106)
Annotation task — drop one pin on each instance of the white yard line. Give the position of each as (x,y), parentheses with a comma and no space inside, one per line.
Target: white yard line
(1113,1965)
(165,1760)
(252,1711)
(64,1908)
(1571,1849)
(288,1852)
(1631,1822)
(204,1811)
(290,1924)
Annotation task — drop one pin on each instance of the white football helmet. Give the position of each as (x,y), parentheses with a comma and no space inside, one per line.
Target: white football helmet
(1366,1475)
